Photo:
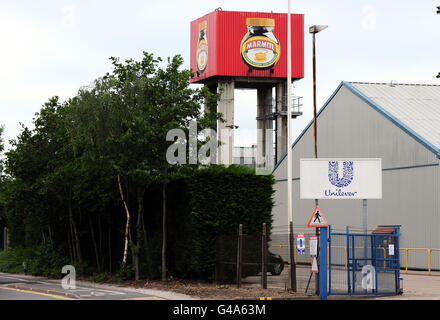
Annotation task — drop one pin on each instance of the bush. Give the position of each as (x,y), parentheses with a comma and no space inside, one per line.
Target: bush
(100,277)
(202,205)
(221,199)
(48,261)
(15,260)
(208,203)
(126,272)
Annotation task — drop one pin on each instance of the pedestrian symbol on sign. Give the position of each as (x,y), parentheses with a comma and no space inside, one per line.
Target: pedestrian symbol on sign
(317,220)
(317,217)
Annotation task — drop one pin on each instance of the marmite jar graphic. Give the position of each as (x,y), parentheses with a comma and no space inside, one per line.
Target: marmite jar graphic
(202,47)
(260,48)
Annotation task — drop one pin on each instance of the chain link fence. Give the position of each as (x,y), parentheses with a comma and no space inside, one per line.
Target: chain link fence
(244,255)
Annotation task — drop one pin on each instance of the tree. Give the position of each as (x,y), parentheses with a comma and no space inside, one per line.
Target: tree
(1,139)
(2,178)
(123,120)
(100,153)
(41,168)
(177,106)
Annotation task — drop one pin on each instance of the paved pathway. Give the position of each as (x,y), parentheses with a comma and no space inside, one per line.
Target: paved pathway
(417,285)
(23,287)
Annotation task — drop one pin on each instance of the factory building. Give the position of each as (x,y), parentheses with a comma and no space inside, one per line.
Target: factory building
(397,122)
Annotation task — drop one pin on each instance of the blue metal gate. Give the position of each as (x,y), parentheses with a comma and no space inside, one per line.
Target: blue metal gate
(364,263)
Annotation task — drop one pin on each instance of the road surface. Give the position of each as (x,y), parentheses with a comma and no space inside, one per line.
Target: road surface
(22,287)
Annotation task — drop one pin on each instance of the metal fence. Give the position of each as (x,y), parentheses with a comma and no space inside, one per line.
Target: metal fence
(406,255)
(363,263)
(357,263)
(243,258)
(244,254)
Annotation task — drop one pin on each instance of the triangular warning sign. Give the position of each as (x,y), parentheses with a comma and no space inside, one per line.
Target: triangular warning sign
(314,266)
(317,220)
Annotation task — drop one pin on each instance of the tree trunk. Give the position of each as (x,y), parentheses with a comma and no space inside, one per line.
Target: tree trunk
(110,248)
(50,233)
(127,226)
(144,232)
(92,232)
(76,242)
(138,233)
(76,236)
(69,243)
(147,250)
(100,252)
(164,238)
(72,241)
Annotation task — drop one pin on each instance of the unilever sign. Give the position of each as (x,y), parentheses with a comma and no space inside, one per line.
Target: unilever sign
(341,178)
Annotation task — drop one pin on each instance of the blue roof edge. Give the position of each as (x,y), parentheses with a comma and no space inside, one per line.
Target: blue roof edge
(378,108)
(394,120)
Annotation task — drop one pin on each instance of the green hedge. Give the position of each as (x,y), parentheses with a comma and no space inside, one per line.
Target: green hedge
(202,205)
(220,199)
(44,260)
(12,259)
(48,260)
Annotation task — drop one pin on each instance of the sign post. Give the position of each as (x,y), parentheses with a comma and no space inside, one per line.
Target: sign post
(341,178)
(323,283)
(317,220)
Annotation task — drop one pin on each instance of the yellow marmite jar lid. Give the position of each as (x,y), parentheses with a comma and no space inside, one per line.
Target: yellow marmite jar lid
(203,25)
(260,22)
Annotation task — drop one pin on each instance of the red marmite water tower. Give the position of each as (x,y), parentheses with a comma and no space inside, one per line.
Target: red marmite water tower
(231,49)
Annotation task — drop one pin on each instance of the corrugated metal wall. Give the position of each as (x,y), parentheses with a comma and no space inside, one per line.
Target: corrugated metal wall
(348,127)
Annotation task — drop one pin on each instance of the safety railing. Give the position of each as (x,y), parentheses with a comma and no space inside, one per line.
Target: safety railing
(280,246)
(429,252)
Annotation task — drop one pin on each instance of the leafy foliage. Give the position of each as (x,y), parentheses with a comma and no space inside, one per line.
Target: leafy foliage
(205,204)
(12,260)
(221,199)
(91,178)
(47,260)
(44,260)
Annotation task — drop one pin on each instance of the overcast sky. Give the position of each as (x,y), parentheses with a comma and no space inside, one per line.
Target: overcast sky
(55,47)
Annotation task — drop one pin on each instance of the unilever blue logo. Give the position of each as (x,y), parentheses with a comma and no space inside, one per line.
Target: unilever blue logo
(347,173)
(340,182)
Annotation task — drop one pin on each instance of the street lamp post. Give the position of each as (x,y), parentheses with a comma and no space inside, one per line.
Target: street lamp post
(314,30)
(289,152)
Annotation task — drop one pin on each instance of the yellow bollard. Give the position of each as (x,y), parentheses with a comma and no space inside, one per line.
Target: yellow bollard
(406,261)
(429,261)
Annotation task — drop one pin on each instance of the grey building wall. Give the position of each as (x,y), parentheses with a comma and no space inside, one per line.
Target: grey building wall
(349,127)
